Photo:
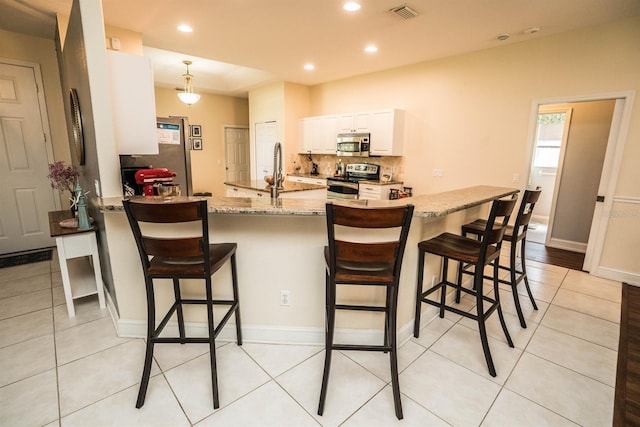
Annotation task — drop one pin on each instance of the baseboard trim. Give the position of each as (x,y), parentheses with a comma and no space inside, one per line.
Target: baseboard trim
(278,335)
(617,275)
(567,245)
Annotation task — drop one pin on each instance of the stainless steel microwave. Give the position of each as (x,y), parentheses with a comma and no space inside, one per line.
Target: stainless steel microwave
(353,144)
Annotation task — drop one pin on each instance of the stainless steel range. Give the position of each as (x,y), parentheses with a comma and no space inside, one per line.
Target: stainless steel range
(346,187)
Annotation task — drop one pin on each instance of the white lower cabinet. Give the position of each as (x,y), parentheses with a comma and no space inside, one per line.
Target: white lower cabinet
(232,191)
(376,191)
(306,180)
(306,194)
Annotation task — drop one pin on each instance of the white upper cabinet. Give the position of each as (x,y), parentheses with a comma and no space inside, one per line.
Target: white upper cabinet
(387,132)
(354,122)
(385,126)
(318,134)
(133,103)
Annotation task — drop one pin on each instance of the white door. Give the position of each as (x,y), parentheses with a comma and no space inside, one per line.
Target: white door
(266,137)
(24,157)
(237,162)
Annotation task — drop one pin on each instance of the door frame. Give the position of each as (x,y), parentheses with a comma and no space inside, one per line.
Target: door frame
(568,112)
(44,117)
(224,139)
(610,170)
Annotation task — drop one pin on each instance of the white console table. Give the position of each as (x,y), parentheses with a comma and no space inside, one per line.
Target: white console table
(79,261)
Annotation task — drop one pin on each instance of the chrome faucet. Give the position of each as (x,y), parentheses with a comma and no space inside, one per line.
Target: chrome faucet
(277,171)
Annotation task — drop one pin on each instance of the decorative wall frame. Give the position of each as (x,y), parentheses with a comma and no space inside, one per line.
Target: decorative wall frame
(195,131)
(76,126)
(196,143)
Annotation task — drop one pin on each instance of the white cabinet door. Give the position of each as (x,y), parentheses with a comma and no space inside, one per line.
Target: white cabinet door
(318,134)
(306,180)
(133,102)
(306,194)
(328,135)
(346,123)
(362,122)
(232,191)
(354,122)
(307,133)
(376,191)
(387,132)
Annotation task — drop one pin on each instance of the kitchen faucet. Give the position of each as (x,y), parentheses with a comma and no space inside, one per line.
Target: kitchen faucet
(277,171)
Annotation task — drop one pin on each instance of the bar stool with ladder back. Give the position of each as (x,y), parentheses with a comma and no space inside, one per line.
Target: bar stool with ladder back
(176,258)
(513,234)
(357,258)
(474,252)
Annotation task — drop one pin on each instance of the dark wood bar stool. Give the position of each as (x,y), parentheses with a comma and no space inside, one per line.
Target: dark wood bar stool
(479,254)
(178,258)
(370,263)
(514,233)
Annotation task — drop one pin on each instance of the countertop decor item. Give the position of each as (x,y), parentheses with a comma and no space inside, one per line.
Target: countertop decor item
(83,215)
(64,177)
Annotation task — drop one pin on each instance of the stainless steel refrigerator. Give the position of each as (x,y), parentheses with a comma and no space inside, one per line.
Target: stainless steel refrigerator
(174,154)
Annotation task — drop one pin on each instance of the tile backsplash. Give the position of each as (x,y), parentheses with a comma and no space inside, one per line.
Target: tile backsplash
(392,165)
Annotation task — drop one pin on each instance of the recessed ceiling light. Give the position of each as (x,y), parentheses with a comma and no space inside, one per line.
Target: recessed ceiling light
(351,6)
(504,36)
(309,66)
(371,49)
(185,28)
(531,30)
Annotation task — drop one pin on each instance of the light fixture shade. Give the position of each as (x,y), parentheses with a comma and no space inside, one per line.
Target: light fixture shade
(188,97)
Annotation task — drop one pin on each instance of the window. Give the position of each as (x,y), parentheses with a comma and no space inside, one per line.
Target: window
(548,140)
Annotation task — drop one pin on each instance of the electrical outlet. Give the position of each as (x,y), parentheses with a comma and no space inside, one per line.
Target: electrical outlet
(285,297)
(437,172)
(516,177)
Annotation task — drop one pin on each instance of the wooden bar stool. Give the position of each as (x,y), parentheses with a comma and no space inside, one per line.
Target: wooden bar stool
(178,258)
(474,252)
(365,263)
(514,233)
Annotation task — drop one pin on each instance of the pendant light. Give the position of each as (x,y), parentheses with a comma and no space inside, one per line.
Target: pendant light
(188,97)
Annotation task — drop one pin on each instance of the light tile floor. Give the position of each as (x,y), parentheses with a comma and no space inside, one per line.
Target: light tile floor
(56,370)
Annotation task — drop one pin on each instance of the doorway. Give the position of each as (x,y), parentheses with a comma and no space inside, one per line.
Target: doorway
(585,145)
(266,137)
(237,158)
(25,152)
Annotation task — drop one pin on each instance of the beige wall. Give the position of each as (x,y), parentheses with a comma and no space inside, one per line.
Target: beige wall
(42,52)
(213,113)
(470,115)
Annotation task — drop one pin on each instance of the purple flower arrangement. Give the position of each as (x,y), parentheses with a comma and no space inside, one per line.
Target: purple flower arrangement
(63,177)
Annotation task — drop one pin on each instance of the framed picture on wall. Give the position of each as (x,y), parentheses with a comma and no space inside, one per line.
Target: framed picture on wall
(196,131)
(196,143)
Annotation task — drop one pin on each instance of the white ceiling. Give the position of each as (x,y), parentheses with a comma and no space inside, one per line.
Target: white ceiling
(240,44)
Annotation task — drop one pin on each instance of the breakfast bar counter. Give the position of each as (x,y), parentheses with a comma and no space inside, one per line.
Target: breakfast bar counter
(280,248)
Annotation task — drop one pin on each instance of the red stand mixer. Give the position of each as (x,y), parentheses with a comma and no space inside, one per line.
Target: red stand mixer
(149,178)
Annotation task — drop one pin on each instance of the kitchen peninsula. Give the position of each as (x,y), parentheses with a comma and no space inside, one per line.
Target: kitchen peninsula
(280,245)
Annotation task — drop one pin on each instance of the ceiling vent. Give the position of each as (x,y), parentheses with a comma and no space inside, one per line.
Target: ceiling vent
(404,12)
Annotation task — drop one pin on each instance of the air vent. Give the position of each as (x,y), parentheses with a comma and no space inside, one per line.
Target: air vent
(404,12)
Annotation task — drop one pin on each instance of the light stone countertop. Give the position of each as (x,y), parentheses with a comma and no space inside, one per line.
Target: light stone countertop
(431,205)
(261,185)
